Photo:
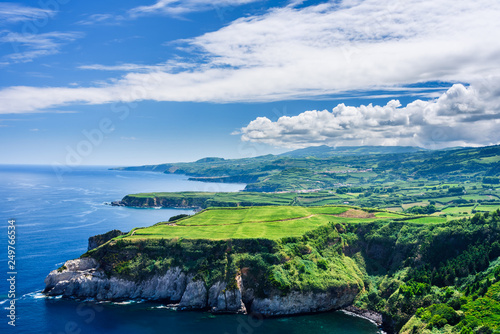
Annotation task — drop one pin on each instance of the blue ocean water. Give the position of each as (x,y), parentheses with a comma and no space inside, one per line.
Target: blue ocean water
(55,214)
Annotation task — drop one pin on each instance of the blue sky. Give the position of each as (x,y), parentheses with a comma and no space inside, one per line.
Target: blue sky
(137,82)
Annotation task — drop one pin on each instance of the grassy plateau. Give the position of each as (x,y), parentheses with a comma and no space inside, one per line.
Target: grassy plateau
(259,222)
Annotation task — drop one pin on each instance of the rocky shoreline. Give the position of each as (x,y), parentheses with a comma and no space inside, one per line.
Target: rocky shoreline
(369,315)
(158,202)
(372,316)
(155,204)
(83,278)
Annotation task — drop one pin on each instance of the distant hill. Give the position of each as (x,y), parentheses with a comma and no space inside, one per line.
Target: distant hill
(325,167)
(324,151)
(210,159)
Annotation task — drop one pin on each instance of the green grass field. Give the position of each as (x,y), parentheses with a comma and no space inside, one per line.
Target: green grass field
(267,230)
(395,208)
(275,222)
(429,220)
(256,222)
(458,210)
(246,215)
(388,215)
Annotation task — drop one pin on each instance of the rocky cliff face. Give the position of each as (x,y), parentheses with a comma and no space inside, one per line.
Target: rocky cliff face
(304,302)
(150,202)
(224,300)
(83,278)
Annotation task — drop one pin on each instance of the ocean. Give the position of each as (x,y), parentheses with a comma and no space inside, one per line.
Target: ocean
(55,213)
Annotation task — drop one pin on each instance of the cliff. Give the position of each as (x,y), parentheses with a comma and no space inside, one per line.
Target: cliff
(202,200)
(100,239)
(262,276)
(84,278)
(405,271)
(166,202)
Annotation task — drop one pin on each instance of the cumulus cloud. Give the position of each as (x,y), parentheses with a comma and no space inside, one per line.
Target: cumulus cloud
(460,116)
(305,52)
(13,13)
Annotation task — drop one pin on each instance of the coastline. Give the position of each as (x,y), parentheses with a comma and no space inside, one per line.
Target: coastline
(372,316)
(182,207)
(43,314)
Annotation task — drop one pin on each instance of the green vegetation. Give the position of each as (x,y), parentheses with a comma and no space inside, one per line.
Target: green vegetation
(452,184)
(177,217)
(427,257)
(310,170)
(250,222)
(270,230)
(255,222)
(311,262)
(445,281)
(206,199)
(411,199)
(422,210)
(427,276)
(266,222)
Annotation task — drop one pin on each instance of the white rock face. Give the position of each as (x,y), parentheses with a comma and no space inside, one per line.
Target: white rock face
(303,302)
(83,278)
(221,300)
(57,280)
(195,296)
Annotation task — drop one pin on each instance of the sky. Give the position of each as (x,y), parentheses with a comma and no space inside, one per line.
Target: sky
(142,82)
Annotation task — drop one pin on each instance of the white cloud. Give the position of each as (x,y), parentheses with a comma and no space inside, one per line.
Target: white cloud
(129,67)
(13,13)
(304,52)
(178,7)
(100,19)
(28,46)
(173,8)
(460,116)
